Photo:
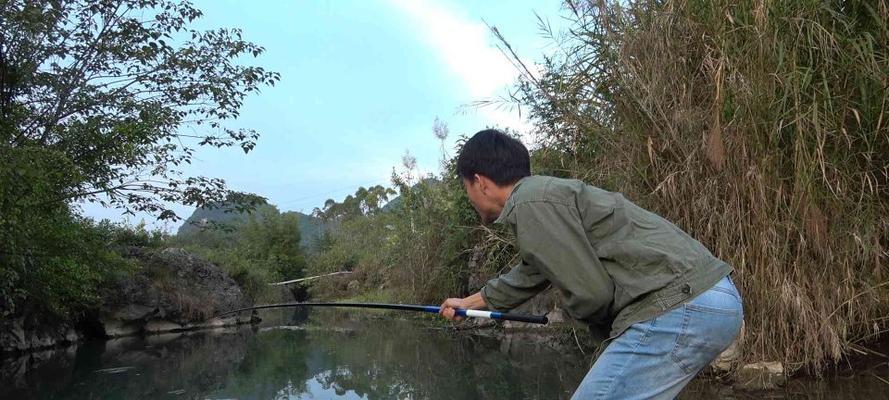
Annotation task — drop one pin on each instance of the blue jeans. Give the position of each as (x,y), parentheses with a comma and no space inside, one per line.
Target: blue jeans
(655,359)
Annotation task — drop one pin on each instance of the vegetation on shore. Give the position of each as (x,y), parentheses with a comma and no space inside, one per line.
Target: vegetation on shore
(759,127)
(95,97)
(261,247)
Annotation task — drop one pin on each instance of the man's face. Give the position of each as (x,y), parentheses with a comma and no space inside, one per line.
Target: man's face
(477,192)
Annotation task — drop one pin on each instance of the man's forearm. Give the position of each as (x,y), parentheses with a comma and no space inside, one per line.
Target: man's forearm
(475,302)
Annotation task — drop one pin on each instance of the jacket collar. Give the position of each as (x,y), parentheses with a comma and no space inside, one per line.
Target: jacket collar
(510,202)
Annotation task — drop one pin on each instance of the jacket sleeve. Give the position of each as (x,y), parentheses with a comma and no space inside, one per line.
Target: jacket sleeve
(510,290)
(551,237)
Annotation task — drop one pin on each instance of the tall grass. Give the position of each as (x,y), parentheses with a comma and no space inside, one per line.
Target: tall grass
(760,127)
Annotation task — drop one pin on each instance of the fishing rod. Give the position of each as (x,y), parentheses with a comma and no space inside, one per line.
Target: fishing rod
(534,319)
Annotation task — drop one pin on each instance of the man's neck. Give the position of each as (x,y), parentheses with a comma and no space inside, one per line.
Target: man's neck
(503,193)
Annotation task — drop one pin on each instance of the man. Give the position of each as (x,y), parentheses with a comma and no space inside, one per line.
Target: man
(669,303)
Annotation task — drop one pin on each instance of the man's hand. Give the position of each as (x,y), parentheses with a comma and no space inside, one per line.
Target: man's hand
(473,302)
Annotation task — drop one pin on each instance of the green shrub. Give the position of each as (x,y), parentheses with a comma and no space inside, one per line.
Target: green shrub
(261,248)
(68,264)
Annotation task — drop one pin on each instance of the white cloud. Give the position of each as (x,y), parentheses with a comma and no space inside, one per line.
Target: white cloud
(464,46)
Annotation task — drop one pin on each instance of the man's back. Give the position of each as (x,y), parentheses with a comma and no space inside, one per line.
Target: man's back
(611,258)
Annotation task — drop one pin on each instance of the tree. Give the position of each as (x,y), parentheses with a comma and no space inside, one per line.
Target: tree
(106,90)
(98,99)
(273,238)
(258,247)
(365,201)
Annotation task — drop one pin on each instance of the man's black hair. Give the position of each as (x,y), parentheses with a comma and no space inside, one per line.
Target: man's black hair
(495,155)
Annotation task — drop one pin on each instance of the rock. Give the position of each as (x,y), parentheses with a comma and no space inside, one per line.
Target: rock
(216,323)
(134,312)
(174,290)
(557,316)
(477,278)
(116,328)
(731,355)
(543,304)
(353,286)
(162,326)
(72,336)
(113,347)
(724,361)
(21,334)
(761,376)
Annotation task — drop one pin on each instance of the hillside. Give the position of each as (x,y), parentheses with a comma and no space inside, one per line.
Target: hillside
(309,227)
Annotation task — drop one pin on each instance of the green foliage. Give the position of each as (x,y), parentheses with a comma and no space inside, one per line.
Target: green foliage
(255,249)
(52,262)
(432,232)
(758,127)
(69,272)
(364,202)
(100,91)
(94,96)
(274,239)
(360,244)
(427,247)
(215,222)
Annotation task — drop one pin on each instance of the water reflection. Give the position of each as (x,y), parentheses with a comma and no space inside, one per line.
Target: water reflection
(330,355)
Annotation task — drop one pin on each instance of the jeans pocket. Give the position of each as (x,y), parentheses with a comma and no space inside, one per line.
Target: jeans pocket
(722,298)
(707,330)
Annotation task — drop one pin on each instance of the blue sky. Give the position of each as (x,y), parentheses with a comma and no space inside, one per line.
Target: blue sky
(361,84)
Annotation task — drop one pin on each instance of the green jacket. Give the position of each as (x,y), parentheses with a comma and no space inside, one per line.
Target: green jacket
(615,263)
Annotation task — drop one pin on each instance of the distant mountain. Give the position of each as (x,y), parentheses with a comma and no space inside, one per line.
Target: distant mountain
(203,217)
(392,205)
(310,227)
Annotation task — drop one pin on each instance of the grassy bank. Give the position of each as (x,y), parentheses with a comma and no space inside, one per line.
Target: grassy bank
(758,127)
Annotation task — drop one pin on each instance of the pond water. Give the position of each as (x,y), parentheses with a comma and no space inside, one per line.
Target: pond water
(335,354)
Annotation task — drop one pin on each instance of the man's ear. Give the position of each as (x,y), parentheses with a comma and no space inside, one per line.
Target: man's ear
(483,183)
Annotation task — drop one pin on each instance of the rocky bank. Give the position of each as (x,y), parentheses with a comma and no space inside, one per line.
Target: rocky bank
(172,291)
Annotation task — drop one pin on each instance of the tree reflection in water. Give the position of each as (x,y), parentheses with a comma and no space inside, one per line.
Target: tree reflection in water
(333,354)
